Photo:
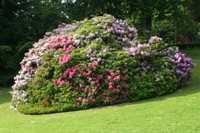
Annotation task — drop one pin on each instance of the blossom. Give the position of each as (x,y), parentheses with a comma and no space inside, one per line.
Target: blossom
(94,100)
(155,39)
(64,60)
(117,78)
(93,65)
(89,95)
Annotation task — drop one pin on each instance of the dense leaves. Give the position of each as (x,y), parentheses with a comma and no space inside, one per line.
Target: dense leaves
(22,23)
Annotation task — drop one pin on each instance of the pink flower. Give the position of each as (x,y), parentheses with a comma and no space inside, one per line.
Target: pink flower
(60,82)
(55,81)
(125,85)
(64,60)
(89,95)
(117,78)
(107,98)
(85,74)
(97,81)
(93,83)
(109,77)
(110,87)
(111,83)
(69,48)
(85,101)
(118,71)
(74,91)
(93,90)
(118,86)
(88,73)
(79,99)
(94,100)
(87,86)
(105,93)
(93,65)
(110,71)
(100,77)
(78,104)
(116,90)
(126,70)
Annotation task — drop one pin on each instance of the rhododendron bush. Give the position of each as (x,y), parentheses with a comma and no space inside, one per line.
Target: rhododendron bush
(97,62)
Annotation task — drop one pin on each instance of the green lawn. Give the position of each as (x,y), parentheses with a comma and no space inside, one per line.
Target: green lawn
(175,113)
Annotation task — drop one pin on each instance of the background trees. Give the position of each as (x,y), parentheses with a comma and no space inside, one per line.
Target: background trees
(23,22)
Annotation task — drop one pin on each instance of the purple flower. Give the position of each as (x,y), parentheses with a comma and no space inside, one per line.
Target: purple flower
(178,71)
(187,59)
(140,45)
(119,38)
(130,35)
(131,29)
(184,65)
(154,39)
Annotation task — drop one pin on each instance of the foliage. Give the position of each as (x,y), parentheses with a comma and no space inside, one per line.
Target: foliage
(165,29)
(25,21)
(96,62)
(143,14)
(4,65)
(21,24)
(35,110)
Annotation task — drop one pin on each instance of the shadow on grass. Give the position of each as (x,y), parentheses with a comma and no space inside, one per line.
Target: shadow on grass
(5,95)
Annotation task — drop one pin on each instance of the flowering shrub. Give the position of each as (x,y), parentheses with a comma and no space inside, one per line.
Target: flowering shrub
(97,62)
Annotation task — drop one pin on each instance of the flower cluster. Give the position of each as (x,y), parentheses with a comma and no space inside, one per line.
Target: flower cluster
(29,66)
(62,30)
(83,81)
(64,43)
(32,61)
(156,47)
(92,88)
(140,49)
(117,87)
(184,66)
(155,39)
(124,33)
(98,62)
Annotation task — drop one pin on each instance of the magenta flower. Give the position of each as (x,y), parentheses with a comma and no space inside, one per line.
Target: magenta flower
(94,100)
(117,78)
(89,95)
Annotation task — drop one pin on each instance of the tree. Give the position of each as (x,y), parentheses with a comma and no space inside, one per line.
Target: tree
(23,22)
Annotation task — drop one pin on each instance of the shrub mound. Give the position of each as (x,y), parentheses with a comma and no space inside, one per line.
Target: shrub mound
(93,63)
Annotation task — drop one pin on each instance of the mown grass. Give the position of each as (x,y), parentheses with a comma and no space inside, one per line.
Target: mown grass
(175,113)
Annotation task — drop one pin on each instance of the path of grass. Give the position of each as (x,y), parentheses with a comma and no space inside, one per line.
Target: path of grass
(175,113)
